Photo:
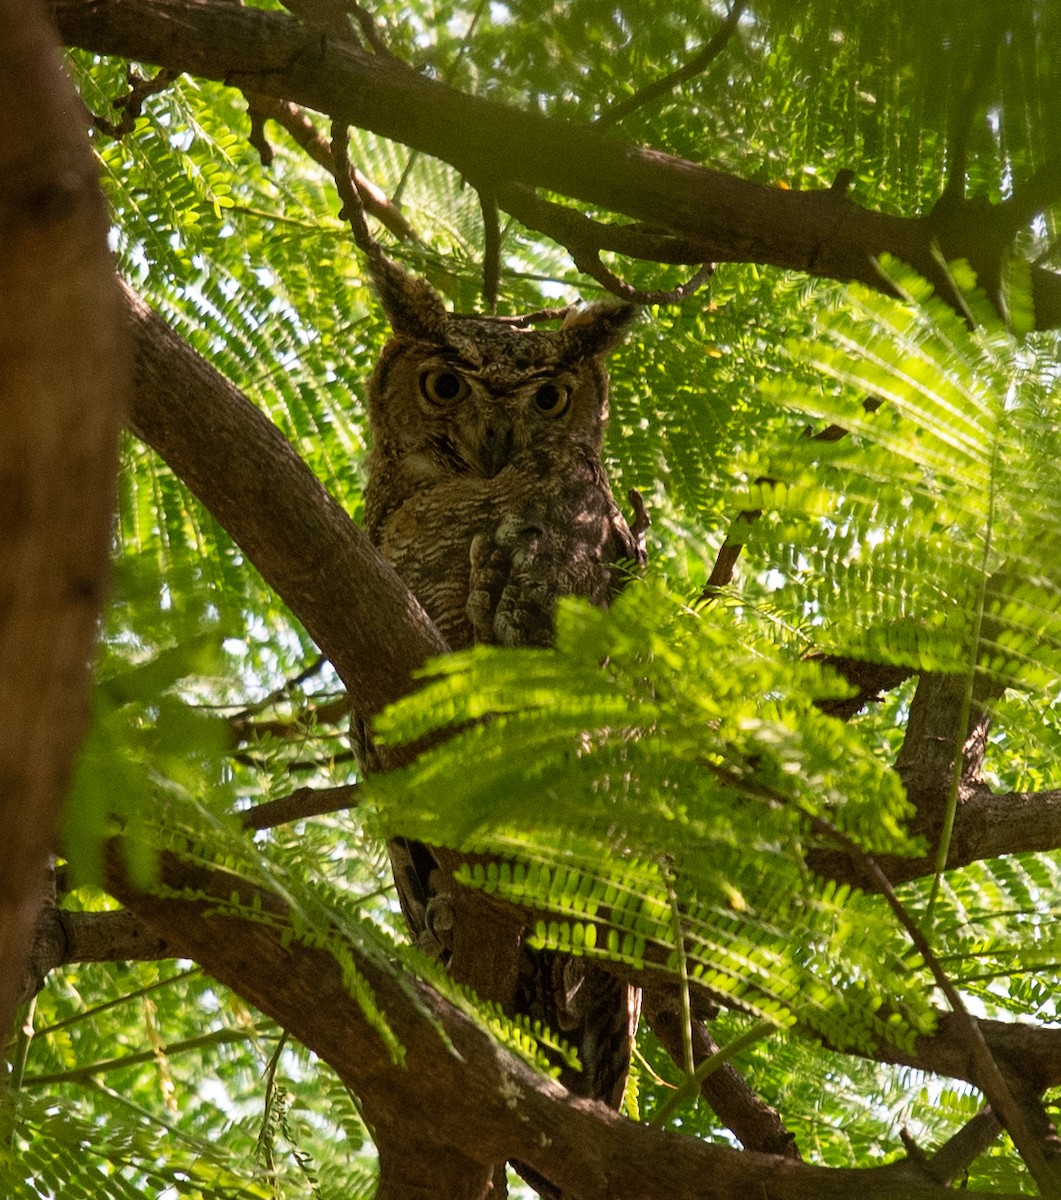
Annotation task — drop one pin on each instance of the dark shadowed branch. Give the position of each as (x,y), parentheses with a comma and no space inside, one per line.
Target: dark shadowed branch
(453,1083)
(823,233)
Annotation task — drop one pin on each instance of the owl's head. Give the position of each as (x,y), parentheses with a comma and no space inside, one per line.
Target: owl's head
(469,395)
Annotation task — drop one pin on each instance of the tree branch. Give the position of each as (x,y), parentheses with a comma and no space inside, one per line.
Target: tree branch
(307,549)
(959,1152)
(986,825)
(822,233)
(667,83)
(90,1071)
(63,937)
(454,1085)
(926,760)
(317,146)
(301,804)
(131,105)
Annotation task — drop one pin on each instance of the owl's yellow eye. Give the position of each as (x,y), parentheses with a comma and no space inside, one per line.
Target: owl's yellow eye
(552,399)
(443,388)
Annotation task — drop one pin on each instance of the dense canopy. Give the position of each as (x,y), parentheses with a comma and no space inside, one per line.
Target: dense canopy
(800,782)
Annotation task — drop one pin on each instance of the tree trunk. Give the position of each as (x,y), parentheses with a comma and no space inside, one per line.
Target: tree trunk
(62,379)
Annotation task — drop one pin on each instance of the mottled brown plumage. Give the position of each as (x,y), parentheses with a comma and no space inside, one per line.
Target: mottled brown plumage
(486,490)
(487,493)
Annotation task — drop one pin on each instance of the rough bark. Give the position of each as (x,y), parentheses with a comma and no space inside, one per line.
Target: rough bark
(821,233)
(459,1096)
(63,936)
(304,545)
(61,384)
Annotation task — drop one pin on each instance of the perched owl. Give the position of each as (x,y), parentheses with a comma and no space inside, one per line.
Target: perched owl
(487,494)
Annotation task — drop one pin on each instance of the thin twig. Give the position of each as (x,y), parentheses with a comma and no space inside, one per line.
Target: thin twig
(282,692)
(131,104)
(259,763)
(726,560)
(353,209)
(540,317)
(318,711)
(93,1012)
(85,1074)
(446,77)
(688,1063)
(667,83)
(591,265)
(491,248)
(300,805)
(693,1084)
(964,713)
(308,136)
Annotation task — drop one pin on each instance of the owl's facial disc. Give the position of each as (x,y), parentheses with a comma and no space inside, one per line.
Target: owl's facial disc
(481,421)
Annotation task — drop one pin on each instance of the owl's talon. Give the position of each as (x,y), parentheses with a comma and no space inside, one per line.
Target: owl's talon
(440,917)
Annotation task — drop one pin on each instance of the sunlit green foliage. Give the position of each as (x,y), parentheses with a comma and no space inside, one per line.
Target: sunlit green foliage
(664,771)
(665,789)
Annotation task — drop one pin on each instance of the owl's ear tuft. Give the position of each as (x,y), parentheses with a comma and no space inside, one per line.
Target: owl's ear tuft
(598,328)
(413,307)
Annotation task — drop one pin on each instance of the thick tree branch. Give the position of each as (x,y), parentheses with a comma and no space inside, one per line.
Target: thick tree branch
(986,825)
(307,549)
(454,1084)
(926,761)
(78,937)
(821,233)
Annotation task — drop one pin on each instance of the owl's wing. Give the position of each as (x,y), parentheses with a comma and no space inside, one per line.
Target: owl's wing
(554,547)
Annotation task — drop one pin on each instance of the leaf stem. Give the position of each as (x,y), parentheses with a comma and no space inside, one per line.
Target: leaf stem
(692,1084)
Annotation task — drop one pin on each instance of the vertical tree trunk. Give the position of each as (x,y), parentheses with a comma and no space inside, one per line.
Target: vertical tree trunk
(62,378)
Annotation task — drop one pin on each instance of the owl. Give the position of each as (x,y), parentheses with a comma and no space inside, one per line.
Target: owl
(487,494)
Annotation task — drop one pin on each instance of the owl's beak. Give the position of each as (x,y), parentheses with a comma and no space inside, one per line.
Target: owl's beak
(495,446)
